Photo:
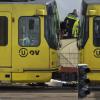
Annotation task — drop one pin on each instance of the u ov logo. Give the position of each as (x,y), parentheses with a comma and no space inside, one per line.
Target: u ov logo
(23,52)
(97,53)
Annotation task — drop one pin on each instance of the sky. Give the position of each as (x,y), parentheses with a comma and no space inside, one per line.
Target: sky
(67,6)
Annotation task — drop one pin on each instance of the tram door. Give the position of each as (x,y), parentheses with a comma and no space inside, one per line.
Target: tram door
(29,48)
(5,39)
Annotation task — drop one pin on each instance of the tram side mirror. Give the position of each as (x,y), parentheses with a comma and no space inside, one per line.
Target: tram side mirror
(31,24)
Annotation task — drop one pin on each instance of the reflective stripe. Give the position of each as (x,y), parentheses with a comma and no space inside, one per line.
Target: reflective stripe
(75,29)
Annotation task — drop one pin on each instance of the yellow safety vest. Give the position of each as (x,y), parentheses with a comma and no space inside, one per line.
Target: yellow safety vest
(75,29)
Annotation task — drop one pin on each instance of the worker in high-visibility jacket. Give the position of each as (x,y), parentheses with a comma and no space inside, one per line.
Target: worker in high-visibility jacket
(72,24)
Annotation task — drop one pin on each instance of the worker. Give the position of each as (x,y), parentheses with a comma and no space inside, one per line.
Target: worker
(72,24)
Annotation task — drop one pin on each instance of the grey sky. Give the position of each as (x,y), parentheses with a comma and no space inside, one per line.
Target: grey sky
(66,6)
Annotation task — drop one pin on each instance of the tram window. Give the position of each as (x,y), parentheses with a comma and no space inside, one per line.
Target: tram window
(96,35)
(29,31)
(3,31)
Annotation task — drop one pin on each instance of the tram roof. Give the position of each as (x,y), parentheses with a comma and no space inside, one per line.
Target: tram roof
(85,3)
(44,2)
(91,1)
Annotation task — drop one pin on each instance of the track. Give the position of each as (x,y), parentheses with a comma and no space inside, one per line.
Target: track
(24,92)
(35,89)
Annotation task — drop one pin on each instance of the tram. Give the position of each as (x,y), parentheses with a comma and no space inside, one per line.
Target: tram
(89,37)
(28,40)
